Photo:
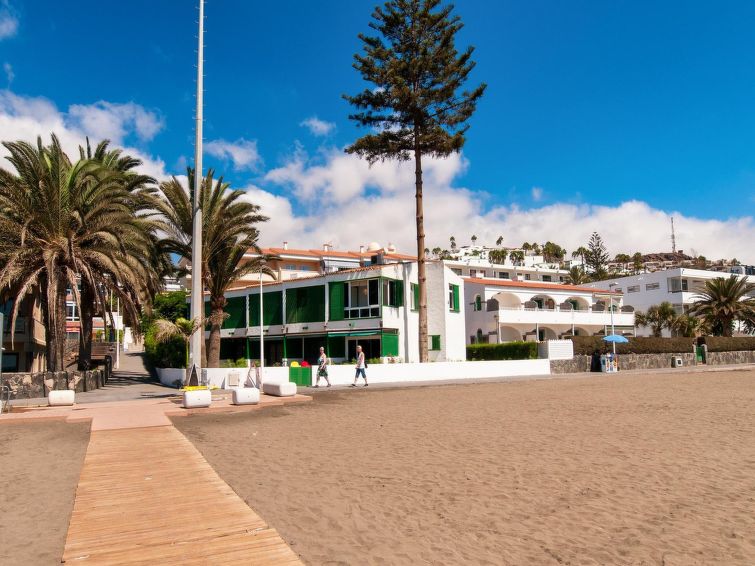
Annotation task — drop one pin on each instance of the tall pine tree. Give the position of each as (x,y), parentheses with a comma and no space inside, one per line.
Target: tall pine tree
(597,255)
(413,106)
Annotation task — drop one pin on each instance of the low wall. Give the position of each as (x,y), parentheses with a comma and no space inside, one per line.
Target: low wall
(626,362)
(218,377)
(437,371)
(724,358)
(37,385)
(556,349)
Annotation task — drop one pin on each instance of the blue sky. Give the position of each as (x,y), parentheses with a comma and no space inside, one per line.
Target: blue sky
(589,105)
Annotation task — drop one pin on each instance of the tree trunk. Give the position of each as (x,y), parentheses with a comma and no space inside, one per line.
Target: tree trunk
(86,315)
(217,313)
(56,320)
(420,250)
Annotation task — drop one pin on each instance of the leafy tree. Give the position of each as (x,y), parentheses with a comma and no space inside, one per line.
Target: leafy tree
(657,318)
(597,255)
(62,223)
(577,276)
(413,106)
(474,239)
(724,301)
(637,262)
(182,329)
(553,252)
(229,230)
(436,252)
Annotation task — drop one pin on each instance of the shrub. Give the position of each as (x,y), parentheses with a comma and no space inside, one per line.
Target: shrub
(170,354)
(239,363)
(586,345)
(730,344)
(505,351)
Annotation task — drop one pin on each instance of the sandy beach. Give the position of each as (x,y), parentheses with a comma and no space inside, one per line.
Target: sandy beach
(40,463)
(630,469)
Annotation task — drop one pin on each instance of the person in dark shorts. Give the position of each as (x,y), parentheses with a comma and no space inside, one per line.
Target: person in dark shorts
(322,368)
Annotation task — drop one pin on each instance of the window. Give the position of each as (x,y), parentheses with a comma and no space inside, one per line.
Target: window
(473,273)
(561,278)
(289,267)
(456,270)
(71,312)
(393,293)
(304,268)
(527,276)
(453,298)
(362,300)
(633,289)
(477,305)
(482,273)
(547,278)
(652,286)
(435,342)
(415,297)
(503,275)
(303,304)
(676,285)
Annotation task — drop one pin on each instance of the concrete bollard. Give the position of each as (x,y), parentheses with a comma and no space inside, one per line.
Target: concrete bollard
(246,396)
(61,397)
(198,398)
(285,389)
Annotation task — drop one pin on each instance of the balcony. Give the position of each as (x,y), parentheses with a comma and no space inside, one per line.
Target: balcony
(522,315)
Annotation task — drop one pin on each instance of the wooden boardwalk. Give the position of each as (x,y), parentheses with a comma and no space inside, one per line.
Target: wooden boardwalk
(147,496)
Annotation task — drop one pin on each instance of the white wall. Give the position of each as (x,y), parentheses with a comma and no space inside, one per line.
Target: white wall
(556,349)
(440,371)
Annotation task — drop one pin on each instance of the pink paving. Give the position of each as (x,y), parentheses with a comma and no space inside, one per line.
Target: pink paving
(140,413)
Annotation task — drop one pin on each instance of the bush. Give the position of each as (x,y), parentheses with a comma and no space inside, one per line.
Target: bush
(735,344)
(240,363)
(170,354)
(586,345)
(505,351)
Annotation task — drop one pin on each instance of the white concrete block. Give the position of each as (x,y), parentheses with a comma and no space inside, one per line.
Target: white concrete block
(246,396)
(198,398)
(285,389)
(61,398)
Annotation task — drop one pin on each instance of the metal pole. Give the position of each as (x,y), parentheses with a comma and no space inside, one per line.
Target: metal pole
(613,328)
(197,300)
(117,341)
(262,329)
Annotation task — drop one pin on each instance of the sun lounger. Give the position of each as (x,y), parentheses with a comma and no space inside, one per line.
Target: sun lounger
(284,389)
(245,396)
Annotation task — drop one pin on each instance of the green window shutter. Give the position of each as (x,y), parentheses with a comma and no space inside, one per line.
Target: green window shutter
(478,303)
(415,297)
(273,305)
(292,306)
(456,297)
(435,342)
(305,304)
(399,293)
(254,310)
(235,308)
(389,345)
(336,290)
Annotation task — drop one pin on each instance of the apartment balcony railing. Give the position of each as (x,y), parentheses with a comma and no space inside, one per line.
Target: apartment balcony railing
(27,329)
(557,315)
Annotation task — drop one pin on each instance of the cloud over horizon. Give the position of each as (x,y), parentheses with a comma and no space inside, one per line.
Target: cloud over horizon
(242,154)
(318,127)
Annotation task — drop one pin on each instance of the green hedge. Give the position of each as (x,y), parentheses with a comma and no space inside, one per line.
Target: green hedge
(505,351)
(170,354)
(586,345)
(735,344)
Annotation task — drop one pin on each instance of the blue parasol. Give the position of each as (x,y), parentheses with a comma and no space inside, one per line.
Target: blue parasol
(615,338)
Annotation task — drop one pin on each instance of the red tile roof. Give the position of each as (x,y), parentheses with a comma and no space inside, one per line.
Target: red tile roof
(319,254)
(537,285)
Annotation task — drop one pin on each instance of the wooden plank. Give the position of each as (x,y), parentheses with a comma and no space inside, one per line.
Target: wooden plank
(147,496)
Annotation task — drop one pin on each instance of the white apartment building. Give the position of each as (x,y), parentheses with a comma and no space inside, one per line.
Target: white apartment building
(374,306)
(505,311)
(474,261)
(678,286)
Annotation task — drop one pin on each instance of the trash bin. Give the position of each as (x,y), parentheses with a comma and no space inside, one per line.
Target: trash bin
(677,362)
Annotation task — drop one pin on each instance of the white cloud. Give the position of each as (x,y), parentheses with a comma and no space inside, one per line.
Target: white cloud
(318,127)
(25,118)
(8,21)
(242,153)
(9,74)
(345,201)
(537,194)
(107,120)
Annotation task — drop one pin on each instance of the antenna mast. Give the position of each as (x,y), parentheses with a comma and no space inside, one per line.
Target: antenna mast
(673,236)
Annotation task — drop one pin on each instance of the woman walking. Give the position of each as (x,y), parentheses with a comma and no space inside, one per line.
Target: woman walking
(322,367)
(361,366)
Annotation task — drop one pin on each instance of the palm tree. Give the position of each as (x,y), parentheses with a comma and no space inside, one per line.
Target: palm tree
(689,326)
(577,276)
(526,247)
(725,301)
(637,262)
(581,252)
(453,243)
(516,257)
(166,330)
(499,241)
(64,222)
(436,252)
(229,230)
(657,318)
(623,259)
(474,239)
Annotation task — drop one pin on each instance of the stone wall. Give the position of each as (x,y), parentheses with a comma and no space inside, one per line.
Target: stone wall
(723,358)
(37,385)
(581,363)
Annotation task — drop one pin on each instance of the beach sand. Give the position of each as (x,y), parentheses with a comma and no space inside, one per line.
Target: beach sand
(627,469)
(40,465)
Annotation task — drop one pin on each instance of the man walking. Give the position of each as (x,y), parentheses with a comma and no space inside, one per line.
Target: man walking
(361,366)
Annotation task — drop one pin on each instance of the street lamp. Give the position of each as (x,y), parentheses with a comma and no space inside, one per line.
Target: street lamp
(610,299)
(262,313)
